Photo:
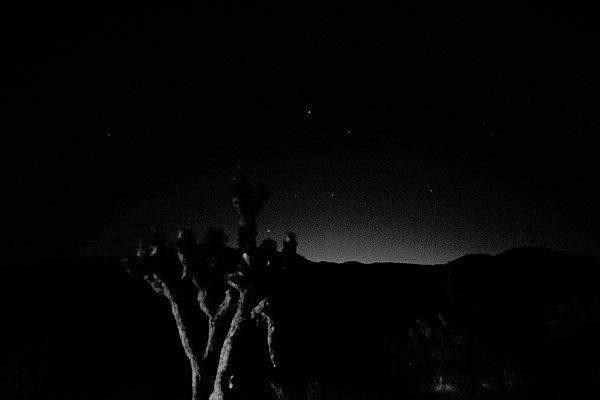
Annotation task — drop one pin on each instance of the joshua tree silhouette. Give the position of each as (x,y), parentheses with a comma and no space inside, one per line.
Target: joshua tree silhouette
(233,288)
(248,198)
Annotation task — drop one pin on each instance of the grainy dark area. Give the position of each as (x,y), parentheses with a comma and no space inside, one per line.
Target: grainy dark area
(409,133)
(364,331)
(431,170)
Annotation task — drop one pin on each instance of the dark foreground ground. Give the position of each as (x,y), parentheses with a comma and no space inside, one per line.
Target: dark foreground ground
(522,324)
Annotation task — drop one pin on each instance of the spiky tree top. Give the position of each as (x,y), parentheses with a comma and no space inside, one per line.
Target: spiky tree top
(248,198)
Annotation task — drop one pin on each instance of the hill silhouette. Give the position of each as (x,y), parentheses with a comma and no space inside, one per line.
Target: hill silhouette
(519,324)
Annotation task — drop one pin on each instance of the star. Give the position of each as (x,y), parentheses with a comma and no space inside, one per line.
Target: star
(430,190)
(268,231)
(348,131)
(308,112)
(331,194)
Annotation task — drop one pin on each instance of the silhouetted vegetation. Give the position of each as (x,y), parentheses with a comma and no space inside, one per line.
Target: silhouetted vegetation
(255,322)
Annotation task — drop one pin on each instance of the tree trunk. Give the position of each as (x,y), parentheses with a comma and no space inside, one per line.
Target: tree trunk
(241,318)
(262,313)
(158,268)
(184,317)
(218,323)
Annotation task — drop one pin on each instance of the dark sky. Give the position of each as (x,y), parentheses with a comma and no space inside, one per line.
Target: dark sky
(410,134)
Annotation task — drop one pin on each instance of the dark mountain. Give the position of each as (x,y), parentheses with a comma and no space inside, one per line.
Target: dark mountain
(524,322)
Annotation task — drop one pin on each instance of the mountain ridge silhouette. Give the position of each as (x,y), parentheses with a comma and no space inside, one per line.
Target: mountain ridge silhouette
(85,327)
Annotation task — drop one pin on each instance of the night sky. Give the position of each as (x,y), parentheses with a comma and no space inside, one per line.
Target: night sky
(413,134)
